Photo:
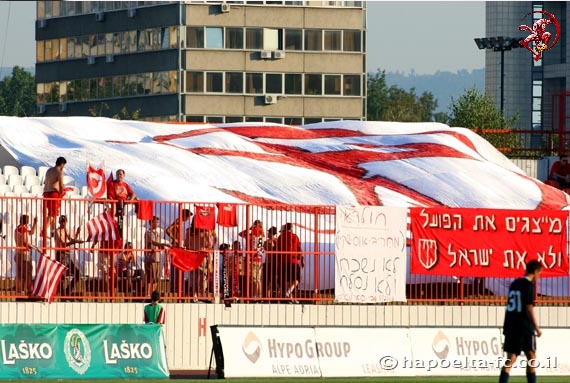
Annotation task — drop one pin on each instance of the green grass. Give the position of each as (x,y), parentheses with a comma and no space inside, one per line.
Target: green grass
(458,379)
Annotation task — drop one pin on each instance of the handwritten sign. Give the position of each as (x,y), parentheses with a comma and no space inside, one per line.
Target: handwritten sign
(370,254)
(488,243)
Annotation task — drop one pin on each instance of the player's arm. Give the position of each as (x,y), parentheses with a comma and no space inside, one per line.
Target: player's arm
(530,310)
(171,234)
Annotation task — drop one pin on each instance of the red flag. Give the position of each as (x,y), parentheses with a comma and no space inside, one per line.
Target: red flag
(96,185)
(186,260)
(102,228)
(48,277)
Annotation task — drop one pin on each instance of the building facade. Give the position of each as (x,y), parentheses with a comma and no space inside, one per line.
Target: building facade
(536,91)
(293,62)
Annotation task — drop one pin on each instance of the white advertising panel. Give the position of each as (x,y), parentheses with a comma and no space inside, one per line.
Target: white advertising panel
(370,254)
(456,351)
(269,352)
(367,352)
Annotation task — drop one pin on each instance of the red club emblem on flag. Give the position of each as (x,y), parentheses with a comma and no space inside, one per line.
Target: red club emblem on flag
(96,183)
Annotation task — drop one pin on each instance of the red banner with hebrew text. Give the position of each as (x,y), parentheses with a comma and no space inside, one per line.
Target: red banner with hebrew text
(488,242)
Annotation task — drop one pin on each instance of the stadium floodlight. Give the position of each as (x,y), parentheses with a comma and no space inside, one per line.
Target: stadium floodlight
(499,44)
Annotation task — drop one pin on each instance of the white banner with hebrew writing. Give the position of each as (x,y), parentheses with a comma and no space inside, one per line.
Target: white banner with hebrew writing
(370,254)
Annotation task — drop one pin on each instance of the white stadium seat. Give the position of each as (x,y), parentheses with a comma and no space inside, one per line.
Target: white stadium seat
(37,190)
(31,179)
(15,179)
(27,170)
(42,173)
(19,189)
(9,169)
(5,188)
(2,179)
(68,181)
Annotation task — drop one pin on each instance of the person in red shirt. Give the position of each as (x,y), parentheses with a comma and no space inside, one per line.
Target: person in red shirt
(560,172)
(289,246)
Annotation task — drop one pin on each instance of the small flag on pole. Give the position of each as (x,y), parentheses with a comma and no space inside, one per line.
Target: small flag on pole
(48,277)
(96,184)
(102,228)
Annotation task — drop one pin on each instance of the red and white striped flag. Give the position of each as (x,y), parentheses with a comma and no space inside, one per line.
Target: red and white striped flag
(48,277)
(102,228)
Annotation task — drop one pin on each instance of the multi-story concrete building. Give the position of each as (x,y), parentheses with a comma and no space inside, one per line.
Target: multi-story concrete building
(290,62)
(532,88)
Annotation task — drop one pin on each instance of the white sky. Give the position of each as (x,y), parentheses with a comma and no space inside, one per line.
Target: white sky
(426,36)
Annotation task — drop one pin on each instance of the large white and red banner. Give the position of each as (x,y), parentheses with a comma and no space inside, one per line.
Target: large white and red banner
(488,242)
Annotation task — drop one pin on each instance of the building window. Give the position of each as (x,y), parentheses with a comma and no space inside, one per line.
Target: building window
(195,82)
(230,119)
(215,119)
(332,84)
(275,120)
(234,82)
(40,51)
(294,120)
(253,119)
(313,120)
(214,82)
(313,84)
(294,39)
(332,40)
(313,40)
(195,37)
(351,41)
(254,38)
(254,83)
(190,118)
(293,83)
(351,85)
(214,37)
(234,38)
(273,83)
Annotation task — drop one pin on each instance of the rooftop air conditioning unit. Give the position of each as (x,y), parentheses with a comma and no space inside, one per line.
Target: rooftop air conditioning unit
(279,54)
(265,54)
(225,8)
(100,16)
(41,109)
(109,58)
(63,107)
(91,60)
(131,13)
(270,99)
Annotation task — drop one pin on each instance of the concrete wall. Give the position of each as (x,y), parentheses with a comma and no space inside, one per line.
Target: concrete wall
(187,329)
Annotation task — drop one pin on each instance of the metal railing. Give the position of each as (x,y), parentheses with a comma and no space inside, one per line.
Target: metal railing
(233,268)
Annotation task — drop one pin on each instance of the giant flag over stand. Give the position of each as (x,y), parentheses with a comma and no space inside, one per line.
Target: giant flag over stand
(102,228)
(96,185)
(47,278)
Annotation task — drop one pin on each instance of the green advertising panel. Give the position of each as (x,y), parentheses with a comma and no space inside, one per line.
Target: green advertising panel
(82,351)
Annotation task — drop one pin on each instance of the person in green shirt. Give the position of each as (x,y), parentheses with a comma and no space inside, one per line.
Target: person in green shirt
(153,312)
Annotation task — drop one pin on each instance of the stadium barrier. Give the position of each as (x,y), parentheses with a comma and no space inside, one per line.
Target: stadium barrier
(326,352)
(92,263)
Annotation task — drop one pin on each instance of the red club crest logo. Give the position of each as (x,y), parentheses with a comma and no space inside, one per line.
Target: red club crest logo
(538,37)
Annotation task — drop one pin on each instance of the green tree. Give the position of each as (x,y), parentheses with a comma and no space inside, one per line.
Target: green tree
(18,94)
(396,104)
(477,111)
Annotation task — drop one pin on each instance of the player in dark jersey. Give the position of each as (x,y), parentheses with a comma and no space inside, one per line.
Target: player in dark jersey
(521,327)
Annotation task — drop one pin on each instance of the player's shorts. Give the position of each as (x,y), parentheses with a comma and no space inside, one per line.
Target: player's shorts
(516,343)
(53,205)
